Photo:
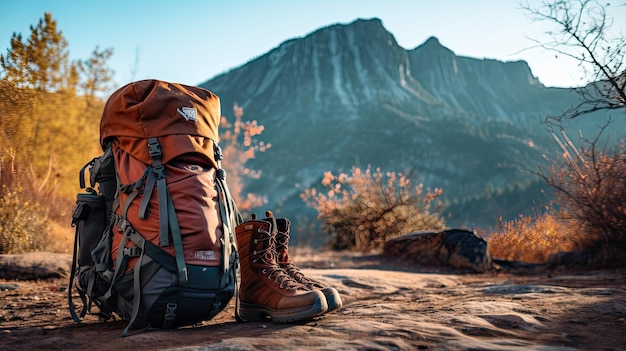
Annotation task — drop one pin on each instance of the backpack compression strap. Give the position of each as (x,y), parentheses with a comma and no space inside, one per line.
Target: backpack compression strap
(156,177)
(168,222)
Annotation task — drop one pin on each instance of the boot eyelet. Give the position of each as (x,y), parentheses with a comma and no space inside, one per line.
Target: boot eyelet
(265,271)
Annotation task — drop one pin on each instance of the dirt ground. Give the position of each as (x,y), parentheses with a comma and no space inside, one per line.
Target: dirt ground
(388,305)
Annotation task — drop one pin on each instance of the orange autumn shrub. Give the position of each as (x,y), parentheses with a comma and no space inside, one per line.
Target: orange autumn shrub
(533,239)
(368,207)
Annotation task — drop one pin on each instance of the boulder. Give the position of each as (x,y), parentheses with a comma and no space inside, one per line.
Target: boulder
(35,266)
(453,248)
(572,259)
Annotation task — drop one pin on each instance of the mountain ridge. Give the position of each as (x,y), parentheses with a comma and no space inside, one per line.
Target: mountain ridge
(348,95)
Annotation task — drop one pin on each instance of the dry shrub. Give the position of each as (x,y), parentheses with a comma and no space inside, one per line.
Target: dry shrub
(591,188)
(533,239)
(23,224)
(24,214)
(363,210)
(60,236)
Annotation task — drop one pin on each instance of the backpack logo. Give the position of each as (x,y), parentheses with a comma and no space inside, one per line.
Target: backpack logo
(189,113)
(204,255)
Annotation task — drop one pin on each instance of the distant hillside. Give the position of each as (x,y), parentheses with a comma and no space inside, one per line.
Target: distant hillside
(348,94)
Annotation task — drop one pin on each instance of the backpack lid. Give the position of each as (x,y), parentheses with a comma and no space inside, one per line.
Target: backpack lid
(182,117)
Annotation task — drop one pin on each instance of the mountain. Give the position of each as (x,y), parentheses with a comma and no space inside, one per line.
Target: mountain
(348,95)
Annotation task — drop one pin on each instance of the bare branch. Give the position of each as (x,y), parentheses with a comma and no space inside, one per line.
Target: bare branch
(582,33)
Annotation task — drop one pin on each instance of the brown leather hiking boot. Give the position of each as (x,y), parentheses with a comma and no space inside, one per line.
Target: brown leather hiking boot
(333,299)
(266,290)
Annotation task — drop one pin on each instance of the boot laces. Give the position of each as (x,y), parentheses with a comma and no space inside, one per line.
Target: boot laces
(298,276)
(292,270)
(280,278)
(274,272)
(295,272)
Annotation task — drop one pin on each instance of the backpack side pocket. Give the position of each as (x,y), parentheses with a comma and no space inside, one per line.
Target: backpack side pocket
(90,219)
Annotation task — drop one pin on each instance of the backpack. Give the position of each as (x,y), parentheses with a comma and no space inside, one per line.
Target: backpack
(155,229)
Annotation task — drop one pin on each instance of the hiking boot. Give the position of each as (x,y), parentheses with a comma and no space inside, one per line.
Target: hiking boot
(333,299)
(266,290)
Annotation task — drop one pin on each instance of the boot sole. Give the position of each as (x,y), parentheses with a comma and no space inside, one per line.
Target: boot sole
(251,312)
(333,299)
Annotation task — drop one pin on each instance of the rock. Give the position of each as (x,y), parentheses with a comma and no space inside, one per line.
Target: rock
(35,265)
(454,248)
(9,286)
(583,258)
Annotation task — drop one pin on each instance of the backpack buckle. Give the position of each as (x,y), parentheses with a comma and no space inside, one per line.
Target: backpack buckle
(170,311)
(217,152)
(134,251)
(159,171)
(221,174)
(154,148)
(125,227)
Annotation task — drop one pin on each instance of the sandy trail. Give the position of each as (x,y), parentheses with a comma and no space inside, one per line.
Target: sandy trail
(385,308)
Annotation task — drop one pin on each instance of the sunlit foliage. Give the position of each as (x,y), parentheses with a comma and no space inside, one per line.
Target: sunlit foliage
(533,239)
(240,144)
(363,209)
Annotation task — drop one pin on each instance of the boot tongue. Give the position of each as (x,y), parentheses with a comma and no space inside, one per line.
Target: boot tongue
(273,226)
(282,255)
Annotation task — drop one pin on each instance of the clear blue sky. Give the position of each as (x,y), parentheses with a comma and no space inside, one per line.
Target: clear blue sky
(191,41)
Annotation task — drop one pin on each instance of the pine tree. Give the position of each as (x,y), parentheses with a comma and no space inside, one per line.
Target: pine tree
(97,76)
(42,62)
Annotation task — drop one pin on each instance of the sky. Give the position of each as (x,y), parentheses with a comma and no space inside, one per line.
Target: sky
(192,41)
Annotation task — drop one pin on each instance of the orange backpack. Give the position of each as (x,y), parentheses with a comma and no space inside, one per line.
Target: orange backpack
(155,244)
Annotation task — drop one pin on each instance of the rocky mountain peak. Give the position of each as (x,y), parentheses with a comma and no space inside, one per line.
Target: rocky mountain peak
(431,42)
(348,95)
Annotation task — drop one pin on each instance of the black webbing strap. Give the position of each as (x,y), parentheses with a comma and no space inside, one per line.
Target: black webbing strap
(168,222)
(181,267)
(120,264)
(143,259)
(159,172)
(71,283)
(81,174)
(156,177)
(150,182)
(156,253)
(124,225)
(123,254)
(141,245)
(148,252)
